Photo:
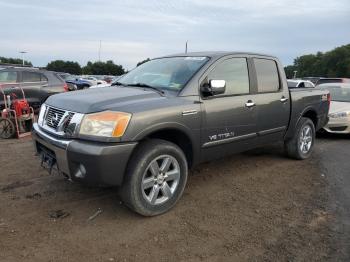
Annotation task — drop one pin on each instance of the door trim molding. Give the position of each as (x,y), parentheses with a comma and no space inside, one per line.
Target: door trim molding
(228,140)
(271,131)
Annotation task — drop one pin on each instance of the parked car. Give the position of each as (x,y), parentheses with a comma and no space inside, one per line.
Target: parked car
(313,79)
(299,83)
(339,112)
(333,80)
(108,79)
(37,84)
(112,83)
(100,79)
(93,81)
(170,114)
(75,80)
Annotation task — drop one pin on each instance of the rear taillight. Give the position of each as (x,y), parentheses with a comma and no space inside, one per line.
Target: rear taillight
(65,87)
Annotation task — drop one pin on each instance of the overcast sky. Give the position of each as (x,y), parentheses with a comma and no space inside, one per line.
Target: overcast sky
(133,30)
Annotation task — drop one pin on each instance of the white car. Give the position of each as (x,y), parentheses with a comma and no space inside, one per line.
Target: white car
(339,111)
(94,81)
(299,83)
(115,79)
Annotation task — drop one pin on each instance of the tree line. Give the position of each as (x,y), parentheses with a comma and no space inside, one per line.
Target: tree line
(14,61)
(91,68)
(334,63)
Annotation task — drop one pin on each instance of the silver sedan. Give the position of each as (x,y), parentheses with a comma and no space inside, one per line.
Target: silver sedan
(339,111)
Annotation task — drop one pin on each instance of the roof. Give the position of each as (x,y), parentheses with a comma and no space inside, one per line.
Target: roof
(27,69)
(18,68)
(217,54)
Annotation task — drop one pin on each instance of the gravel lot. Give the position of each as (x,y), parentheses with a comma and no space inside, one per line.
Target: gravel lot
(256,206)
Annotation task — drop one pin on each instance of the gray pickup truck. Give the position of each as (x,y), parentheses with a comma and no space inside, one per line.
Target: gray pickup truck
(168,115)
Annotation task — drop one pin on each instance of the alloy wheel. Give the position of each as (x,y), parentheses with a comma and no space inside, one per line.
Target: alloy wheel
(160,180)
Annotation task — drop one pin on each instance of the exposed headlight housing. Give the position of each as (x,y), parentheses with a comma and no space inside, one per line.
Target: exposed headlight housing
(340,114)
(41,115)
(105,124)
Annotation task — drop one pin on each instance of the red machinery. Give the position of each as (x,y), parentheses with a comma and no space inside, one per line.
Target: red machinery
(17,117)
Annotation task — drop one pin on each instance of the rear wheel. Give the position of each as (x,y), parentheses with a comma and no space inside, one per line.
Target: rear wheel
(7,128)
(155,178)
(301,145)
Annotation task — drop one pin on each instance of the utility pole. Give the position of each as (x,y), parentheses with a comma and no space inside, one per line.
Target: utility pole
(23,52)
(99,52)
(295,74)
(186,47)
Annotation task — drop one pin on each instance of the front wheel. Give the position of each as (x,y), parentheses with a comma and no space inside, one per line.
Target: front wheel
(301,145)
(155,178)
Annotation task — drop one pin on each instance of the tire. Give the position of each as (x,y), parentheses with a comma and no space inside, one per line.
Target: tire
(155,178)
(301,145)
(7,128)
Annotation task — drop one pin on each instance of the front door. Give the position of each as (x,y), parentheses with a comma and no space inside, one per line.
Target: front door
(228,119)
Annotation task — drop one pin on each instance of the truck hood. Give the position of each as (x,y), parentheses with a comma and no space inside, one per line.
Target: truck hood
(100,99)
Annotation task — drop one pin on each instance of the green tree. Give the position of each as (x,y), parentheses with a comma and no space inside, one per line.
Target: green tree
(143,61)
(64,66)
(334,63)
(14,61)
(103,68)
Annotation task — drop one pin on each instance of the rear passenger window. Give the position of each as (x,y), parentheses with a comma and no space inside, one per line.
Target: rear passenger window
(30,77)
(235,72)
(267,75)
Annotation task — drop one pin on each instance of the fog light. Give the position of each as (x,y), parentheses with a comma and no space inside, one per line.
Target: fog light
(81,172)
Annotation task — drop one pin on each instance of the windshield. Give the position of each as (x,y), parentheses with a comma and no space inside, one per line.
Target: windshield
(170,73)
(339,94)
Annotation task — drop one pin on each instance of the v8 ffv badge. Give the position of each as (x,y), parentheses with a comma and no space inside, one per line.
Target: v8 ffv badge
(221,136)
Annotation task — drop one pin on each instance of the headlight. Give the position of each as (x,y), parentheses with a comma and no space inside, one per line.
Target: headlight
(105,124)
(41,114)
(340,114)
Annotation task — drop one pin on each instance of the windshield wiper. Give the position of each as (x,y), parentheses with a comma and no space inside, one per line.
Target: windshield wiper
(118,84)
(160,91)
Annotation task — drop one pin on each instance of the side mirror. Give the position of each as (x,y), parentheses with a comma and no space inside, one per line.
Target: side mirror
(215,87)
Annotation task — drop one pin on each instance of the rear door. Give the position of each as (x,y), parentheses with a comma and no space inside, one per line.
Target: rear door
(32,83)
(229,125)
(271,100)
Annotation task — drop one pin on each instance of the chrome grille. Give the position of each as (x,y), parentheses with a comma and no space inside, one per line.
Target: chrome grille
(53,117)
(67,121)
(59,121)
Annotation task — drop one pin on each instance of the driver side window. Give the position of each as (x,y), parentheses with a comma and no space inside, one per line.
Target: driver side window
(235,72)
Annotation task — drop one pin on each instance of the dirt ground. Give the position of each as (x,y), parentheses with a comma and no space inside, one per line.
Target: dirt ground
(256,206)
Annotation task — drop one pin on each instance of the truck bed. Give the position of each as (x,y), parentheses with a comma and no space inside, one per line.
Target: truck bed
(310,101)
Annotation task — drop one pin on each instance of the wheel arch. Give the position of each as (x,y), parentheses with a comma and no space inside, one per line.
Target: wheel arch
(311,114)
(176,134)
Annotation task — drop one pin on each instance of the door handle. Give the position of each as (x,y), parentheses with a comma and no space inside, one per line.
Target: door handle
(284,99)
(249,104)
